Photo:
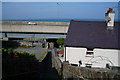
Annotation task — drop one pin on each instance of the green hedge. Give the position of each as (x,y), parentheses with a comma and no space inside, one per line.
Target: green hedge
(14,62)
(10,53)
(60,41)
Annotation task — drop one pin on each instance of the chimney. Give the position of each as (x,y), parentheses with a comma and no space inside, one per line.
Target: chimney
(109,18)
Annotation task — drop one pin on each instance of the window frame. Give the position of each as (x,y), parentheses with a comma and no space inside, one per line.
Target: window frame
(88,51)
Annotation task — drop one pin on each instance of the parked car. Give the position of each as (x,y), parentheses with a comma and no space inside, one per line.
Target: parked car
(32,23)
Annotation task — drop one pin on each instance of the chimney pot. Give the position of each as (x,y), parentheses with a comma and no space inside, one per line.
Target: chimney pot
(110,9)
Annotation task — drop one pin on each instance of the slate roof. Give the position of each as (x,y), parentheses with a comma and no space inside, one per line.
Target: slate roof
(92,34)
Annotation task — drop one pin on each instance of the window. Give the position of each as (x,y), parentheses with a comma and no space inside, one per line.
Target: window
(89,53)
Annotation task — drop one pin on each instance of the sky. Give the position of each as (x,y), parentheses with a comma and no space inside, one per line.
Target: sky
(54,10)
(60,0)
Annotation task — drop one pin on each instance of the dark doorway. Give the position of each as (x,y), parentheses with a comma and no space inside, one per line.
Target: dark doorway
(54,41)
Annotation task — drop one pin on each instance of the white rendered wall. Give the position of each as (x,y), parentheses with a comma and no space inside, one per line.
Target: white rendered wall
(110,54)
(111,15)
(73,55)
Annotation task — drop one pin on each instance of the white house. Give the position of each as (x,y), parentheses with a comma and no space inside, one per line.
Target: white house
(93,43)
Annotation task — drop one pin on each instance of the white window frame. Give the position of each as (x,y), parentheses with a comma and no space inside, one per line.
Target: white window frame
(89,55)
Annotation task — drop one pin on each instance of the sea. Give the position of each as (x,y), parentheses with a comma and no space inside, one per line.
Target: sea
(54,20)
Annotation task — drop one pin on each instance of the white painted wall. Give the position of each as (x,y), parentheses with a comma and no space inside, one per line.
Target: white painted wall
(73,55)
(111,15)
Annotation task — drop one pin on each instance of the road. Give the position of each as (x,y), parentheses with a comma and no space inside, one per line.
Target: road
(37,50)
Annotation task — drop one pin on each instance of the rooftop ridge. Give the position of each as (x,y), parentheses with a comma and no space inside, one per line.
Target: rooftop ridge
(91,21)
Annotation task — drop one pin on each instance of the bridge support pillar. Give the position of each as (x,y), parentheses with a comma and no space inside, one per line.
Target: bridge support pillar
(46,45)
(51,45)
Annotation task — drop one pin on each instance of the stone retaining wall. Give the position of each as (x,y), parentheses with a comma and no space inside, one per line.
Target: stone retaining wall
(82,73)
(56,63)
(25,43)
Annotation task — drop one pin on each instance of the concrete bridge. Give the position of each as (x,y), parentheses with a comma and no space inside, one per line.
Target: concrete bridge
(21,29)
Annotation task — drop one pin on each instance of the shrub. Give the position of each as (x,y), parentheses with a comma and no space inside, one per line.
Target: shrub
(23,54)
(4,50)
(60,41)
(18,62)
(32,55)
(60,74)
(10,51)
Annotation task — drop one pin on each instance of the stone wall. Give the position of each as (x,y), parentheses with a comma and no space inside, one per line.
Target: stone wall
(30,44)
(56,63)
(83,73)
(25,43)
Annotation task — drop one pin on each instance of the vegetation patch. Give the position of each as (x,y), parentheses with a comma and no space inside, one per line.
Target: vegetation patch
(60,74)
(60,41)
(24,46)
(14,62)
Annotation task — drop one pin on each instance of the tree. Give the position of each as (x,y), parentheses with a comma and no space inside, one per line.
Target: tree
(60,41)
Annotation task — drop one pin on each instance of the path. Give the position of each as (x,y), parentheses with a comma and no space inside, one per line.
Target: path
(46,72)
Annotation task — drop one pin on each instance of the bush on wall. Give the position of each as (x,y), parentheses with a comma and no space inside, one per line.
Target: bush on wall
(60,41)
(14,62)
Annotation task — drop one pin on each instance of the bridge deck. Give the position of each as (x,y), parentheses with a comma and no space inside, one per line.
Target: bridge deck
(41,27)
